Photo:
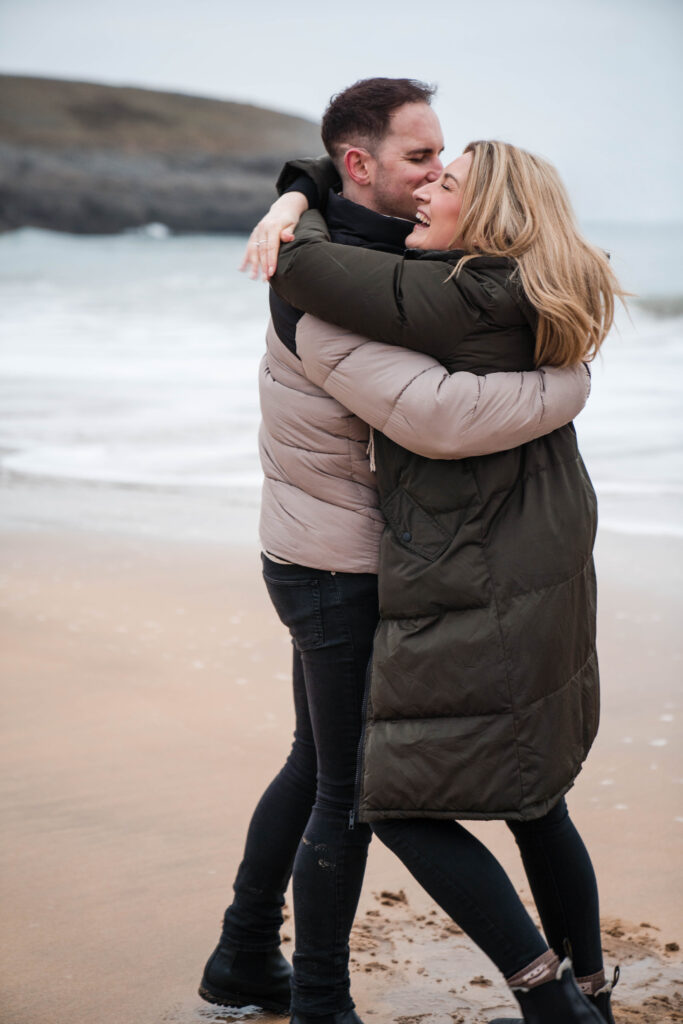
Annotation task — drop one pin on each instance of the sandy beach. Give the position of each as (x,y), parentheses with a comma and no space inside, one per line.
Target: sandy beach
(146,704)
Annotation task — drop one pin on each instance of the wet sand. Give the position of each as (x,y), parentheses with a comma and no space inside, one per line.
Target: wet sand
(145,705)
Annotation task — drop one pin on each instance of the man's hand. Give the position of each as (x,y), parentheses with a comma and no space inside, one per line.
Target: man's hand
(277,226)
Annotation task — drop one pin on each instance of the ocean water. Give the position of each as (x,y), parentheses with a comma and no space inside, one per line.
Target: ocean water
(128,383)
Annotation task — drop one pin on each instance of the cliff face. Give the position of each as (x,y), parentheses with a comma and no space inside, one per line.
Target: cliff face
(97,159)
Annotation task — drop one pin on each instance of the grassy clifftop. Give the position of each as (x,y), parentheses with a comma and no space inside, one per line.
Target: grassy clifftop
(78,156)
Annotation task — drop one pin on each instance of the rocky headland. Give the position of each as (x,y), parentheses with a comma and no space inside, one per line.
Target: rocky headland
(87,158)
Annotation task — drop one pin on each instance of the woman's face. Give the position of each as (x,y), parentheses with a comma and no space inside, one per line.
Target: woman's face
(439,206)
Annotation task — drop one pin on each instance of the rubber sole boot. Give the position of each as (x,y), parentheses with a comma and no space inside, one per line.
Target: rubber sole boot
(237,978)
(601,1000)
(343,1017)
(559,1000)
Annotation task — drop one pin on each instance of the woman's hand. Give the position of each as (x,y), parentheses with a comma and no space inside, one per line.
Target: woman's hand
(277,226)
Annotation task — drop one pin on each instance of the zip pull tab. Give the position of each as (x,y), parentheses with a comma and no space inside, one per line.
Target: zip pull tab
(352,819)
(370,451)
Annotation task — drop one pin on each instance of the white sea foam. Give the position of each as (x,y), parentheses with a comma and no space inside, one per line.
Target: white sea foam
(646,528)
(633,488)
(153,230)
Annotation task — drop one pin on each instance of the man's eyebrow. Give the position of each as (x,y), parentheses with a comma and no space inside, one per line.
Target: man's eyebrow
(423,149)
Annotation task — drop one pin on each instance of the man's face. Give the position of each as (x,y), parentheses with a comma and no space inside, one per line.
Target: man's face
(407,158)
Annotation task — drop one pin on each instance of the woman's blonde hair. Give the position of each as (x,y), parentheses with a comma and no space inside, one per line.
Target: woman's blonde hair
(514,204)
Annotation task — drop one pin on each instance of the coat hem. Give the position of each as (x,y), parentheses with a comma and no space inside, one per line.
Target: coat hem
(536,810)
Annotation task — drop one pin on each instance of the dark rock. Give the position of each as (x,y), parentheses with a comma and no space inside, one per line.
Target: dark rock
(97,159)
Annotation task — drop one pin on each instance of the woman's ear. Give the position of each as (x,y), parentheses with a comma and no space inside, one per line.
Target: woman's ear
(359,164)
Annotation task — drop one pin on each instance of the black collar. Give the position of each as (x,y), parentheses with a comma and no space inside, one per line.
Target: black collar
(353,224)
(477,262)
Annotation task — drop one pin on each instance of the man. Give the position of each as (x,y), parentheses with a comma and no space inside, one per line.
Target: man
(320,531)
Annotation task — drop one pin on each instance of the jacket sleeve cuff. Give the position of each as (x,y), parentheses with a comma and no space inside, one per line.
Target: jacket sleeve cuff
(307,187)
(320,170)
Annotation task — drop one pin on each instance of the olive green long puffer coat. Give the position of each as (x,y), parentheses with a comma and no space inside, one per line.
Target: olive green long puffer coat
(483,698)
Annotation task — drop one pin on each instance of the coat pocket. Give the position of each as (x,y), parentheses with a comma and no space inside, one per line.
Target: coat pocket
(414,528)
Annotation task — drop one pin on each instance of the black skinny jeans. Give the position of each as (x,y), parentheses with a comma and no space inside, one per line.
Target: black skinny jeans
(467,881)
(301,824)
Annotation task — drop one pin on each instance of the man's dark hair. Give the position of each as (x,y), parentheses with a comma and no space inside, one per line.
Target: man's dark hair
(362,113)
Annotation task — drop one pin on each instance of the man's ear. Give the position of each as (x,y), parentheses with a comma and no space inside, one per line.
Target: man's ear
(359,164)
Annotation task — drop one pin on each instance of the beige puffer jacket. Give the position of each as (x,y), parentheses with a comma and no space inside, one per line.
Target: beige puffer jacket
(319,504)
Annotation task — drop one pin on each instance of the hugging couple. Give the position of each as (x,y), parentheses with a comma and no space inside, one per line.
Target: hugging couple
(427,528)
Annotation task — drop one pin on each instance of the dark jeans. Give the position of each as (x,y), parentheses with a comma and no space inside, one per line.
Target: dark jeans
(563,884)
(300,825)
(467,881)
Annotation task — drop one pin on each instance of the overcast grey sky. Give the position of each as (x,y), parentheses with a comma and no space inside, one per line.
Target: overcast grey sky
(594,85)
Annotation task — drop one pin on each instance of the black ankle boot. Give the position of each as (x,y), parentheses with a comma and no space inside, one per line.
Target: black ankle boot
(560,1001)
(343,1017)
(601,1000)
(234,977)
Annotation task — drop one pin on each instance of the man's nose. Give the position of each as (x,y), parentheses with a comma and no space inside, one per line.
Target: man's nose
(435,170)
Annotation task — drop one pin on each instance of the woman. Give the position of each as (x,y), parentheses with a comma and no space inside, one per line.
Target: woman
(483,700)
